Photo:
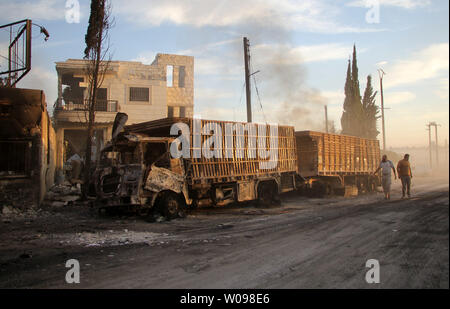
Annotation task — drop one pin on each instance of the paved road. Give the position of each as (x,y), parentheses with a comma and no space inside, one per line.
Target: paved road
(318,243)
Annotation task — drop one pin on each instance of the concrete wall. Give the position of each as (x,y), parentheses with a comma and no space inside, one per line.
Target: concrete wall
(26,109)
(177,95)
(132,74)
(47,154)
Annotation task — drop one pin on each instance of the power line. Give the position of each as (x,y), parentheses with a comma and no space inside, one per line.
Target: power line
(259,99)
(240,100)
(257,92)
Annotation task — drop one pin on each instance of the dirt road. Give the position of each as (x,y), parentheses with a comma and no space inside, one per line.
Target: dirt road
(305,243)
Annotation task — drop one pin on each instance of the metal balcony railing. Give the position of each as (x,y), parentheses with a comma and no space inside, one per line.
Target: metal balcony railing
(82,105)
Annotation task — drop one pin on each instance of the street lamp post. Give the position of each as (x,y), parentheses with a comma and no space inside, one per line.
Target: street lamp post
(381,74)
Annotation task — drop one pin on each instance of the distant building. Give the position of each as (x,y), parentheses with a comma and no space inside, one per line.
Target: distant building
(144,92)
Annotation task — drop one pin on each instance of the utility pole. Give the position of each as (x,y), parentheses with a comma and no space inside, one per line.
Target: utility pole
(429,144)
(435,125)
(247,78)
(437,144)
(381,73)
(446,152)
(326,118)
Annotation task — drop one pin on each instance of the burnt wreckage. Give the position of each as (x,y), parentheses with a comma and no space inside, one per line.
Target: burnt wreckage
(137,169)
(27,148)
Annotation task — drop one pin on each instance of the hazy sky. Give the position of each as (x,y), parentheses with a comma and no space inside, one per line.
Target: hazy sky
(301,49)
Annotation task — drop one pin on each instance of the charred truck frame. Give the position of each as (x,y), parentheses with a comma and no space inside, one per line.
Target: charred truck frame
(137,167)
(336,163)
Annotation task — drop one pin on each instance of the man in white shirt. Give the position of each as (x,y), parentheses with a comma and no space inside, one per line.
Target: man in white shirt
(386,166)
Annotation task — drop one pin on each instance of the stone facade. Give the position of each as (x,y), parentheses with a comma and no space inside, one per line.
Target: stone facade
(143,92)
(181,94)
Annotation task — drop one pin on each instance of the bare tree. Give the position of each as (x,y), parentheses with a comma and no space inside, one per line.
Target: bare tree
(97,54)
(332,127)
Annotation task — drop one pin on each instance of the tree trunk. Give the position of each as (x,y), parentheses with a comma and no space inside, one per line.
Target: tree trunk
(91,122)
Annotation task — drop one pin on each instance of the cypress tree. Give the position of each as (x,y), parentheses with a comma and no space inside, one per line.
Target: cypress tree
(352,119)
(370,111)
(357,93)
(358,112)
(348,90)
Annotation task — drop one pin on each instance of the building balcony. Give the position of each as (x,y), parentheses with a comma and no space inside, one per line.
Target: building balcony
(76,111)
(82,105)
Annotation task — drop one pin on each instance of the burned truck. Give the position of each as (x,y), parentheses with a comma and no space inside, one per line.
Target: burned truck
(337,163)
(174,163)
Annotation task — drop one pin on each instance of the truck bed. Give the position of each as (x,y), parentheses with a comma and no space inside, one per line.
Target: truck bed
(204,170)
(324,154)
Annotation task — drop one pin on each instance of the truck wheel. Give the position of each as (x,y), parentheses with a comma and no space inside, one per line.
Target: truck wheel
(372,185)
(329,189)
(264,197)
(171,206)
(268,194)
(318,190)
(360,187)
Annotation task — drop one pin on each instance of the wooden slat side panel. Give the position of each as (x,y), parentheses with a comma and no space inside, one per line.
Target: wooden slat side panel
(336,154)
(247,165)
(308,155)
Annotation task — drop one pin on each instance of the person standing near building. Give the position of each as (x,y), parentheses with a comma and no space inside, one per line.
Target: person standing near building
(386,166)
(405,175)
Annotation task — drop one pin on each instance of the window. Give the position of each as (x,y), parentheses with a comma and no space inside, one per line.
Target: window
(170,112)
(156,153)
(139,94)
(181,75)
(101,104)
(182,111)
(102,93)
(169,75)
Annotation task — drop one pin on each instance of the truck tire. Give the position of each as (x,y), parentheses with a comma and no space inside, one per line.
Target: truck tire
(268,194)
(318,189)
(329,191)
(171,206)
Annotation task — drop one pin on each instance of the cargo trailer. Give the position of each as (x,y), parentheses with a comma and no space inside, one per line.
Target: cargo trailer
(336,162)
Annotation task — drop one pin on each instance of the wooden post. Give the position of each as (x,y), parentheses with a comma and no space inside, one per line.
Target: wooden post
(429,144)
(437,145)
(247,79)
(382,108)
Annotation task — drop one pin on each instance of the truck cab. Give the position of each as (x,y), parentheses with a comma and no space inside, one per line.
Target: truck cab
(137,170)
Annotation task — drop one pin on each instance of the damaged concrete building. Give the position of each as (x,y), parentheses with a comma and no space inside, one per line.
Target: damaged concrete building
(27,148)
(162,89)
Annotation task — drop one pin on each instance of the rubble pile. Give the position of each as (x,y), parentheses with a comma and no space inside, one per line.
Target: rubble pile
(9,213)
(109,238)
(16,206)
(17,197)
(61,195)
(17,201)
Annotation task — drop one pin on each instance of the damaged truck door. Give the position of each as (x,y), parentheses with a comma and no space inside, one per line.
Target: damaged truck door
(165,179)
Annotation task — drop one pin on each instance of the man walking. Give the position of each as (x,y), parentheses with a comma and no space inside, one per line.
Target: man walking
(386,166)
(405,175)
